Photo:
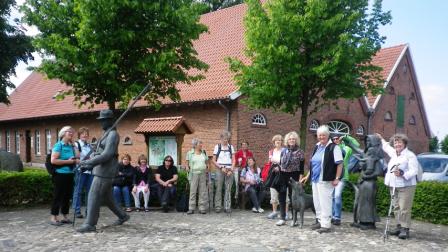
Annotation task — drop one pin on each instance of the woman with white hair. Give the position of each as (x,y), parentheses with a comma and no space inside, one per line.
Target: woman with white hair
(197,163)
(65,157)
(325,171)
(291,166)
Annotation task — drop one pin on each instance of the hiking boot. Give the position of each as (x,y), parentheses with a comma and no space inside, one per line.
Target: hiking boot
(315,226)
(323,230)
(395,231)
(121,220)
(273,215)
(86,229)
(404,233)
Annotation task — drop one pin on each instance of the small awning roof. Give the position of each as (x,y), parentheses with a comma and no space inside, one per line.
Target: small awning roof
(176,125)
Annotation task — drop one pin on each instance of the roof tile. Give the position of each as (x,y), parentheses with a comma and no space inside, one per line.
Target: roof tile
(162,125)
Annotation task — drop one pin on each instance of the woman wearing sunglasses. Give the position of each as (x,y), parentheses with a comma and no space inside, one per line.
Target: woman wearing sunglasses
(166,176)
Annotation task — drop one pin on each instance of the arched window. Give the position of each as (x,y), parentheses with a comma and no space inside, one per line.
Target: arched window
(360,130)
(127,141)
(314,124)
(338,127)
(412,120)
(388,116)
(259,119)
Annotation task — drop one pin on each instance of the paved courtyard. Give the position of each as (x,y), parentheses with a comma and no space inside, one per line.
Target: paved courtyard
(28,230)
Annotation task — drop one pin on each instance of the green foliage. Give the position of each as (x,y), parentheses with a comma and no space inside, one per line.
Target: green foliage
(30,187)
(307,53)
(430,201)
(434,144)
(444,145)
(15,46)
(107,51)
(213,5)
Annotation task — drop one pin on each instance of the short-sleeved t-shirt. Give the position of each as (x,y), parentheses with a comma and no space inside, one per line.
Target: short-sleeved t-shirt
(241,157)
(66,152)
(225,158)
(166,174)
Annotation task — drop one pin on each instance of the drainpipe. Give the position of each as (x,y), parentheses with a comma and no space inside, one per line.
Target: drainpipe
(369,117)
(227,114)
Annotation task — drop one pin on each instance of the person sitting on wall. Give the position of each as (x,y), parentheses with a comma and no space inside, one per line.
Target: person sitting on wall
(123,182)
(166,176)
(251,178)
(241,157)
(142,179)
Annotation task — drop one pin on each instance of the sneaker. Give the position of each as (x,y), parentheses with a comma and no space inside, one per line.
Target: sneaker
(128,209)
(280,223)
(79,216)
(273,215)
(146,209)
(217,210)
(336,222)
(260,210)
(323,230)
(137,209)
(254,210)
(190,212)
(202,212)
(315,226)
(404,233)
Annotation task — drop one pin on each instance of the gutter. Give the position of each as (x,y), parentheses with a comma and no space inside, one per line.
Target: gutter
(227,114)
(370,112)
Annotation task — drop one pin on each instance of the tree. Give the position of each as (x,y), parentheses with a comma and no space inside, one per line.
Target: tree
(444,145)
(15,46)
(307,53)
(107,51)
(434,144)
(213,5)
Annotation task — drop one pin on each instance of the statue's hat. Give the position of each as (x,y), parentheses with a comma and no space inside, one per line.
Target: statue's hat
(106,114)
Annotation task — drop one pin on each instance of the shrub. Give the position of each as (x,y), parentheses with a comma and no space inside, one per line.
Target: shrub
(25,188)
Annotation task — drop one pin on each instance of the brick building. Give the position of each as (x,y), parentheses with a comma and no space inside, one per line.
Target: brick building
(30,124)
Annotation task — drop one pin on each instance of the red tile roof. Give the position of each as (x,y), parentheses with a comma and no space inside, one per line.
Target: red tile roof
(386,58)
(162,125)
(225,38)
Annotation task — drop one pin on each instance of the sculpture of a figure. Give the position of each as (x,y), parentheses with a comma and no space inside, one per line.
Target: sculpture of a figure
(371,167)
(105,168)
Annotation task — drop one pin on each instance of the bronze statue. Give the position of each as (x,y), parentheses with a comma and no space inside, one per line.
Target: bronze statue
(105,167)
(365,214)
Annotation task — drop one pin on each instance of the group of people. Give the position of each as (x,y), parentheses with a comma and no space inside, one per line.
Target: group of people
(209,179)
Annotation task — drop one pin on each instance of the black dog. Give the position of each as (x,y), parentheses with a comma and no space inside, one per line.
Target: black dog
(300,201)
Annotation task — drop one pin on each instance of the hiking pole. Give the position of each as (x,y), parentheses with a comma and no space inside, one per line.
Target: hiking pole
(386,229)
(78,180)
(208,190)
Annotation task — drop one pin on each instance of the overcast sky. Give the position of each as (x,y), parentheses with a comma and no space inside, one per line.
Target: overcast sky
(421,24)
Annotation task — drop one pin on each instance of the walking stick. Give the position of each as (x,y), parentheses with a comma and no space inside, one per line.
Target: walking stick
(209,184)
(228,195)
(78,180)
(386,229)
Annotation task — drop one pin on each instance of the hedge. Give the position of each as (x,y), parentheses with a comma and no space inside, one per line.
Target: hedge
(33,186)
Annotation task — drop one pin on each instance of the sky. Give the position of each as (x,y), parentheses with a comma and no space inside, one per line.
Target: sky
(421,24)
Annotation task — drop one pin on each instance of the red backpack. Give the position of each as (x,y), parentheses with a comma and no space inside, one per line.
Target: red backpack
(265,171)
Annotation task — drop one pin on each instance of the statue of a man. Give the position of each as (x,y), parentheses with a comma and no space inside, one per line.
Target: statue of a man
(105,168)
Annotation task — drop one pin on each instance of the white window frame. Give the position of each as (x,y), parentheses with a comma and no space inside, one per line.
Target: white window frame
(338,127)
(259,119)
(48,140)
(360,130)
(17,141)
(37,142)
(314,125)
(8,141)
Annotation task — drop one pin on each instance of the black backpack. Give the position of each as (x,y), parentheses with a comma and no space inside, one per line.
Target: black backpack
(51,168)
(219,150)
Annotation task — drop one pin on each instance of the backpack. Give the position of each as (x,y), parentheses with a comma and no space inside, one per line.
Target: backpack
(51,168)
(219,150)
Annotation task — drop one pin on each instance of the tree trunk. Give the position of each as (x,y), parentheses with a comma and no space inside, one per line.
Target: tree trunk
(111,105)
(303,119)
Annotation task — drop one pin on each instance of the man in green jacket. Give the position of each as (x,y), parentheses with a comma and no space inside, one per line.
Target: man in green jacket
(343,142)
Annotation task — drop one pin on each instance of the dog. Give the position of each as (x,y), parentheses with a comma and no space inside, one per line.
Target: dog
(300,201)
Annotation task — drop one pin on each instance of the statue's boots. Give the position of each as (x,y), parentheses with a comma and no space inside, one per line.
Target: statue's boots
(121,220)
(366,225)
(86,229)
(395,231)
(404,233)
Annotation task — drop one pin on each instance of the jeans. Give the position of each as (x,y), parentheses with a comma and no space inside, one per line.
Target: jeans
(122,192)
(166,194)
(337,200)
(256,195)
(82,181)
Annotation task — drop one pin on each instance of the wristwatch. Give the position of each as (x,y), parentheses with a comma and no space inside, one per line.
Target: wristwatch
(338,178)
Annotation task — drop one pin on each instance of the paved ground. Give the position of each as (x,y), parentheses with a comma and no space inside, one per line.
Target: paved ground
(28,230)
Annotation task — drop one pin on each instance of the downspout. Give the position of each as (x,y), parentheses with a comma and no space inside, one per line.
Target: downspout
(227,114)
(369,117)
